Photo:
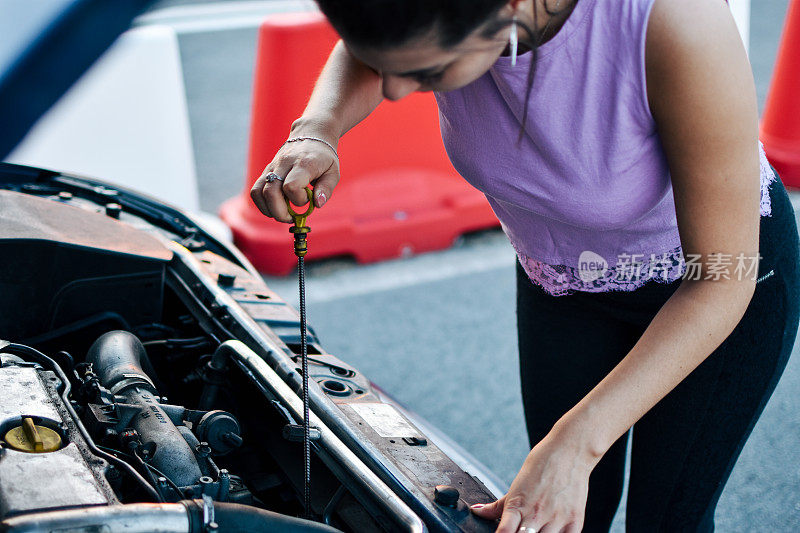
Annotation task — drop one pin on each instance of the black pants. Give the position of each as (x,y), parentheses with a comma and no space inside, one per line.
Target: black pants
(684,448)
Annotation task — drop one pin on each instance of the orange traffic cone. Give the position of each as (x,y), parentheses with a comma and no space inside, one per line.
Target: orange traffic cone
(780,125)
(398,192)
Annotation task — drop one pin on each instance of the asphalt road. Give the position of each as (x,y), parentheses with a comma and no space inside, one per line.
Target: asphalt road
(437,330)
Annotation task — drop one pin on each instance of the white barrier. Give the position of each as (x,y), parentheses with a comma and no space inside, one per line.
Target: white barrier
(125,121)
(221,16)
(741,14)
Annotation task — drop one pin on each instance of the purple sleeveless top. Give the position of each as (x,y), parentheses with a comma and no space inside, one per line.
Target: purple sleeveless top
(588,184)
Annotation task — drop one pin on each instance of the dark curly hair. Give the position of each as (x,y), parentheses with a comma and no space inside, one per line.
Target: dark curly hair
(385,24)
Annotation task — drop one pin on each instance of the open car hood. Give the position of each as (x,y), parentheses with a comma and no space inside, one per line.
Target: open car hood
(83,260)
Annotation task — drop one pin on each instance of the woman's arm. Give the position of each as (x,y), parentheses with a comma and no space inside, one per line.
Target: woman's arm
(345,93)
(703,99)
(702,96)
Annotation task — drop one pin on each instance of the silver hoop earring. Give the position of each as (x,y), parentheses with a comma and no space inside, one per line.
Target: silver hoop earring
(513,41)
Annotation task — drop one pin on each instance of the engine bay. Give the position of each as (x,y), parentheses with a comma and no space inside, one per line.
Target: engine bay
(150,380)
(98,432)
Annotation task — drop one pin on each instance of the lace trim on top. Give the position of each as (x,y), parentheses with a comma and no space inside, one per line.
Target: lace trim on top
(632,271)
(561,280)
(767,177)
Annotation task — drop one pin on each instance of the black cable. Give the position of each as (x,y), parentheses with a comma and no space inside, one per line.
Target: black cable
(194,342)
(74,327)
(149,474)
(139,330)
(158,472)
(171,483)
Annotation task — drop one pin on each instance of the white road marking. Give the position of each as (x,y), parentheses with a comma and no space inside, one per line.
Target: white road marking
(359,280)
(492,252)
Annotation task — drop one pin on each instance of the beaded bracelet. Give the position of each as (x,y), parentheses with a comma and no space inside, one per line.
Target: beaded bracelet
(295,139)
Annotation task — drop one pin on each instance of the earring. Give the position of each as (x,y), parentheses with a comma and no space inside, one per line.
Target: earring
(513,41)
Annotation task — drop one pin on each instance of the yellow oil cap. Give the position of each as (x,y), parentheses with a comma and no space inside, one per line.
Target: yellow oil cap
(32,438)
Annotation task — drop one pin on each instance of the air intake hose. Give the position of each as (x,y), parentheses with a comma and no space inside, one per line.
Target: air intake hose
(116,359)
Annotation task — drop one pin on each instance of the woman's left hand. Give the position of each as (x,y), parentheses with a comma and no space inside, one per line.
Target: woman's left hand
(549,493)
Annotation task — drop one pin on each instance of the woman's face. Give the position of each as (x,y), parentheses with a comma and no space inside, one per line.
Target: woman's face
(422,65)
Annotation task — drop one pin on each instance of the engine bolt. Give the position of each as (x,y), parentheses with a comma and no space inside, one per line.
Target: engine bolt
(113,210)
(232,438)
(203,450)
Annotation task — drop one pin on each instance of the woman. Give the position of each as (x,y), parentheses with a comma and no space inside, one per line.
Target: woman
(616,141)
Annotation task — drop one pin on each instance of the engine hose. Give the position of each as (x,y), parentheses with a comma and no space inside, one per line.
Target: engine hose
(187,516)
(246,519)
(116,358)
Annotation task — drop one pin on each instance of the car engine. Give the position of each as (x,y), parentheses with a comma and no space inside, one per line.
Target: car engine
(151,381)
(103,435)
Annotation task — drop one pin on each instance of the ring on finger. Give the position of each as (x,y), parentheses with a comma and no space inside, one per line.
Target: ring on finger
(527,529)
(271,177)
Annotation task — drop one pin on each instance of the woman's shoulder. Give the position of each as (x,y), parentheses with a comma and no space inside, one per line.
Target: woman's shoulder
(687,23)
(692,43)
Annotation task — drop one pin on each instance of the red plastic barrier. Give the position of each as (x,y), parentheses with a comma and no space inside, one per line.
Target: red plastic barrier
(398,194)
(780,125)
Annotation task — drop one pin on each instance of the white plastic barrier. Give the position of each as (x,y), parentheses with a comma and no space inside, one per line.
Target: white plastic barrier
(225,15)
(125,121)
(741,14)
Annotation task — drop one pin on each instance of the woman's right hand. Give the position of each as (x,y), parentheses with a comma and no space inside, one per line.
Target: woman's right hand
(301,163)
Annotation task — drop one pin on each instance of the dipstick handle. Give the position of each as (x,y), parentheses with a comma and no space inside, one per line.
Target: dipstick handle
(300,229)
(300,218)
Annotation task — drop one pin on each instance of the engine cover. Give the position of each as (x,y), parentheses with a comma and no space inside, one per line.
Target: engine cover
(69,476)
